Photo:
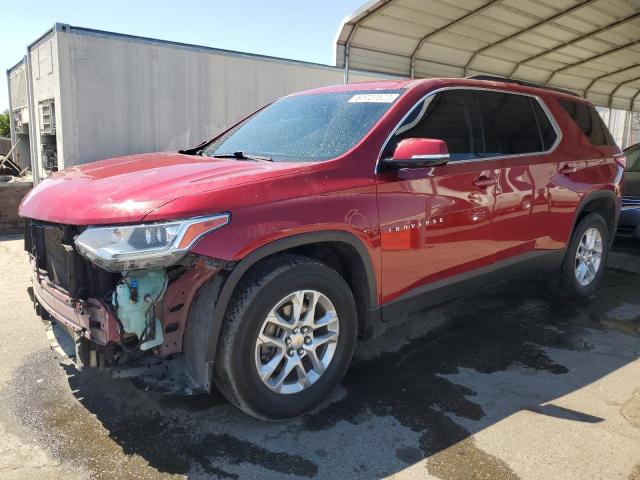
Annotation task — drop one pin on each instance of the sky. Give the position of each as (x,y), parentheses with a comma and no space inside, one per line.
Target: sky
(301,30)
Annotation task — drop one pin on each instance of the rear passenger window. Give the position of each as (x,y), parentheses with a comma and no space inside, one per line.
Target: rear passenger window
(450,116)
(587,119)
(510,124)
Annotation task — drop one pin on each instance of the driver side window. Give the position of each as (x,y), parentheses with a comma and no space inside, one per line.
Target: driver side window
(451,116)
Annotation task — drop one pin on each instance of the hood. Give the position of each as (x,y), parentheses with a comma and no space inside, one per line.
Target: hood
(125,189)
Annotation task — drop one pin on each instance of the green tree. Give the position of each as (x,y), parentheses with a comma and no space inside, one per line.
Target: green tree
(5,129)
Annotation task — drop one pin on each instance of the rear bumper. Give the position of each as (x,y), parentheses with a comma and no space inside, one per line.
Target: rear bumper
(90,319)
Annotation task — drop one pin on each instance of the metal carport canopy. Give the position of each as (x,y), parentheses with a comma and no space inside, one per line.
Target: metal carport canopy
(589,46)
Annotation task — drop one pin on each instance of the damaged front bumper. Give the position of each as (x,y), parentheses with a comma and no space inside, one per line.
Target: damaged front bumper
(99,340)
(90,319)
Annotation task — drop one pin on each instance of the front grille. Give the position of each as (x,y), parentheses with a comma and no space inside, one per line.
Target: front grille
(57,257)
(52,247)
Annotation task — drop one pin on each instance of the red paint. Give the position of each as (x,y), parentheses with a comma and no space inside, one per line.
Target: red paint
(411,147)
(417,225)
(176,303)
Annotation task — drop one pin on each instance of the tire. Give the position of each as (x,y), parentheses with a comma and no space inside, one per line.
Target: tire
(570,286)
(239,357)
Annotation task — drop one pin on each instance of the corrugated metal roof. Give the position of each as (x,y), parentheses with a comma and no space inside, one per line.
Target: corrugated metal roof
(591,47)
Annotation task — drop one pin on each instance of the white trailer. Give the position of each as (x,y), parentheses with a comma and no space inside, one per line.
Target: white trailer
(19,114)
(82,95)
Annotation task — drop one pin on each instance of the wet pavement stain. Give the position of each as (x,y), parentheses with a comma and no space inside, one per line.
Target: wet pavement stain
(465,460)
(409,455)
(238,451)
(62,425)
(499,332)
(154,437)
(400,405)
(625,318)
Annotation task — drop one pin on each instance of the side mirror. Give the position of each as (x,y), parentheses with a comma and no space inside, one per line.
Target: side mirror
(418,153)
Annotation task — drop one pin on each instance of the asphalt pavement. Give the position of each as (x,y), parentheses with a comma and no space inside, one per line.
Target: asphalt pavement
(508,383)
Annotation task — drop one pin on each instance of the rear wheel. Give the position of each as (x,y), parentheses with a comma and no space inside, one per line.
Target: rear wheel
(287,339)
(586,257)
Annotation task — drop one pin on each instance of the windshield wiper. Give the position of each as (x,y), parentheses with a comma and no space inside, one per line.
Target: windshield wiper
(197,150)
(243,156)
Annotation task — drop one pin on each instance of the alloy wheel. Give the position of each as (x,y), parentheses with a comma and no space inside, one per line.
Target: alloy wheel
(297,342)
(588,256)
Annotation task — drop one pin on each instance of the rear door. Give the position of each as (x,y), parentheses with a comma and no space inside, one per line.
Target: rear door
(586,162)
(517,133)
(436,222)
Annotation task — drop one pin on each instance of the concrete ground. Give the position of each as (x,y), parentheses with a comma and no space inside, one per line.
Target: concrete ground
(508,384)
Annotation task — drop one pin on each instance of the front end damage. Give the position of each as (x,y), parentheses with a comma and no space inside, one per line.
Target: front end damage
(131,323)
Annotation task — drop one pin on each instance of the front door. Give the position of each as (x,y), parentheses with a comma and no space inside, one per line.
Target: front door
(436,223)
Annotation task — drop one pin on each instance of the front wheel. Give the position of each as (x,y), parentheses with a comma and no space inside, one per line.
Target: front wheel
(586,257)
(287,339)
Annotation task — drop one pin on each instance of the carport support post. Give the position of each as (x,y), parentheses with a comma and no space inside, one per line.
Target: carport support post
(612,96)
(633,101)
(626,136)
(347,53)
(346,63)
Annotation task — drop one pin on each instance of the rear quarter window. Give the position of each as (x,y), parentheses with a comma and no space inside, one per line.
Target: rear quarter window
(589,122)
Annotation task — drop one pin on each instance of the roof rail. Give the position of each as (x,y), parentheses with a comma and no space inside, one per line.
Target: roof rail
(495,78)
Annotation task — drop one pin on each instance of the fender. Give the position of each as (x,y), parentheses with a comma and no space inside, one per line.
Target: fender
(203,329)
(599,195)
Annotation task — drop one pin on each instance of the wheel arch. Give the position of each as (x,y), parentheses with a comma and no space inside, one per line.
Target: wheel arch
(603,202)
(341,250)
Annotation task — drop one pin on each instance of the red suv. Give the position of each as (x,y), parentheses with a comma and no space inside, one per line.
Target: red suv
(254,261)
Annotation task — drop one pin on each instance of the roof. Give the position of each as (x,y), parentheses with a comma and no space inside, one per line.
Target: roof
(591,47)
(63,27)
(19,64)
(435,83)
(360,86)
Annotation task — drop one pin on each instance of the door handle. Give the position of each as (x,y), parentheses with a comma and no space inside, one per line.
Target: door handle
(566,170)
(485,182)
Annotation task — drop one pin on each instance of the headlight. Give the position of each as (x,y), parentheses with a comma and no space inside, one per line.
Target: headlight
(133,247)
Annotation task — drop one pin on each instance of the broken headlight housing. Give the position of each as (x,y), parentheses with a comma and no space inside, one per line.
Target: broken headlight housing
(122,248)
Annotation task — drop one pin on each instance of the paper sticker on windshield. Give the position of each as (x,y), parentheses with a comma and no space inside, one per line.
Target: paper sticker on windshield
(374,98)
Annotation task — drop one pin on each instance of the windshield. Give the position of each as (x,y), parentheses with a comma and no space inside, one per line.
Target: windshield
(309,127)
